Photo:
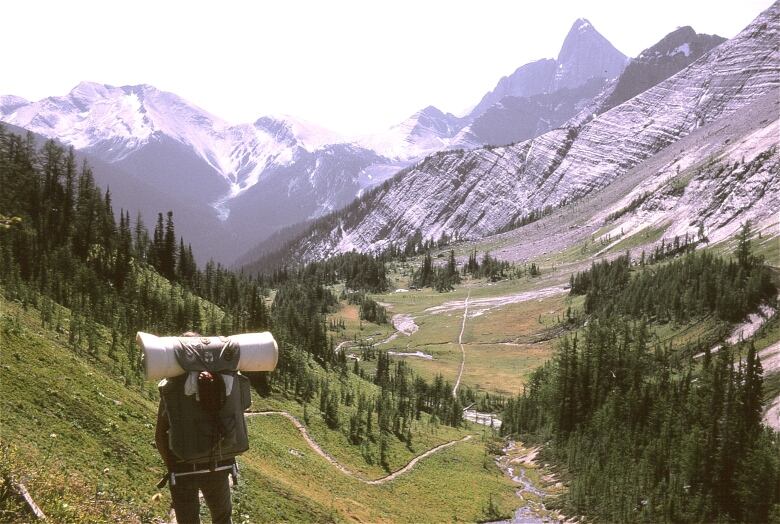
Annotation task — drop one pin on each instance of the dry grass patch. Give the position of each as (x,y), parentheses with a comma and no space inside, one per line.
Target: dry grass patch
(503,368)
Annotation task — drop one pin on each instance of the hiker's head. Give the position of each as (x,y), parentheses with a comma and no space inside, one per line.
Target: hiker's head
(190,334)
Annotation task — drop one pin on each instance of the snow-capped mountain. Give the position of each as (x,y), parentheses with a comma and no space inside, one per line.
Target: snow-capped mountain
(425,132)
(114,123)
(475,193)
(11,102)
(176,148)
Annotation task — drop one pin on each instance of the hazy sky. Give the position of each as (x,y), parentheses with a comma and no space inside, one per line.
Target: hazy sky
(352,66)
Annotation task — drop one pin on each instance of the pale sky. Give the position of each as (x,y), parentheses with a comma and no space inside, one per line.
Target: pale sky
(351,66)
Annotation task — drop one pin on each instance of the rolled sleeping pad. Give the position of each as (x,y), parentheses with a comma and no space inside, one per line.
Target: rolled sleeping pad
(257,352)
(158,356)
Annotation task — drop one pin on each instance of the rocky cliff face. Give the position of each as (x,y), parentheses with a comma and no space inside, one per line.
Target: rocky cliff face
(673,53)
(702,188)
(708,191)
(475,193)
(586,54)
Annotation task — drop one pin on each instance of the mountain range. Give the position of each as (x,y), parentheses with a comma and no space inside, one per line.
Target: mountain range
(249,180)
(700,188)
(233,186)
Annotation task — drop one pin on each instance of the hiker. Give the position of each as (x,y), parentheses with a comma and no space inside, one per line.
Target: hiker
(200,421)
(214,485)
(210,478)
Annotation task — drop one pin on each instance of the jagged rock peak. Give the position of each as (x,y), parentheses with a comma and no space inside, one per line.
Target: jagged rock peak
(581,25)
(431,112)
(432,118)
(683,40)
(586,54)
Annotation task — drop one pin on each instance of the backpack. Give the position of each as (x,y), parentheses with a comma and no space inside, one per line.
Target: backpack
(205,406)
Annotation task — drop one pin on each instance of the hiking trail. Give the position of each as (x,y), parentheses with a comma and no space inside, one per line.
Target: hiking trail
(460,342)
(324,454)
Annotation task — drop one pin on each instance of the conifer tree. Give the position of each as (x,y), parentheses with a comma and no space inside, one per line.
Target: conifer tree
(168,259)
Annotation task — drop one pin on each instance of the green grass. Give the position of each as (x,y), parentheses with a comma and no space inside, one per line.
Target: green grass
(355,328)
(768,247)
(641,238)
(425,433)
(705,330)
(73,428)
(454,484)
(491,364)
(768,334)
(82,440)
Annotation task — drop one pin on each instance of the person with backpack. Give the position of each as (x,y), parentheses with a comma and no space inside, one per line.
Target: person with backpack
(200,420)
(201,428)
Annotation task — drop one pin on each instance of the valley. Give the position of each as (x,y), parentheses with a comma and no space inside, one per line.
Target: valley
(559,305)
(507,328)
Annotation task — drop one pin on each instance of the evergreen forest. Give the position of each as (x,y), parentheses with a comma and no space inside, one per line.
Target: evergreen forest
(650,432)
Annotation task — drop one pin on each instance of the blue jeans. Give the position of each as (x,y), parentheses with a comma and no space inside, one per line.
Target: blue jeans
(216,491)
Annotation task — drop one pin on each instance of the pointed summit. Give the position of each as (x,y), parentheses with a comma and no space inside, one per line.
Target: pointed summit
(581,24)
(90,90)
(586,54)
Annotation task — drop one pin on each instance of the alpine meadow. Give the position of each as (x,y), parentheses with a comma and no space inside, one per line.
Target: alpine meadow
(560,305)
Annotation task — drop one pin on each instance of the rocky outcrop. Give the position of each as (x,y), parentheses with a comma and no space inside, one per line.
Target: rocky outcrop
(672,54)
(528,80)
(515,118)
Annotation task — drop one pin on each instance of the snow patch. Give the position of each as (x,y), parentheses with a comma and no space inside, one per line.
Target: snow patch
(685,49)
(478,306)
(418,354)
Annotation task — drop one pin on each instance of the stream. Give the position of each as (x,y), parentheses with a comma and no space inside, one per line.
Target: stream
(528,513)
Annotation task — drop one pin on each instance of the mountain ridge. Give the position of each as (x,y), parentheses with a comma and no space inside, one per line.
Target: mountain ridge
(472,194)
(243,172)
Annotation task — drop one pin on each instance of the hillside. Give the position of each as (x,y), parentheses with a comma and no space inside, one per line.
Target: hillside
(95,460)
(76,286)
(477,193)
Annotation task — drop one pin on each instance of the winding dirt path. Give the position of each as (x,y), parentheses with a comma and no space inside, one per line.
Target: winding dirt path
(324,454)
(460,342)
